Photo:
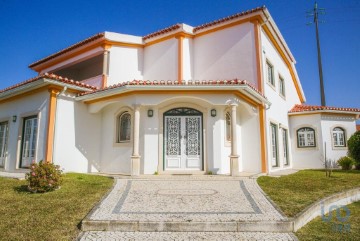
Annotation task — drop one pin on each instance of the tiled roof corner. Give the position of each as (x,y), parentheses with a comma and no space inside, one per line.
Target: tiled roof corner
(163,31)
(309,108)
(68,49)
(177,83)
(229,18)
(52,77)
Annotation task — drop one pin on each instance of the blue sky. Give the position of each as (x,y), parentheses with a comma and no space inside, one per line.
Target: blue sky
(31,30)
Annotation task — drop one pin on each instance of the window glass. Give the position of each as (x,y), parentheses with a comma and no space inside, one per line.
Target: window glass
(270,73)
(306,137)
(339,137)
(228,125)
(124,127)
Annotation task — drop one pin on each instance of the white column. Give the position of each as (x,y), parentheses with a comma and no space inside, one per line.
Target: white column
(234,158)
(135,158)
(105,68)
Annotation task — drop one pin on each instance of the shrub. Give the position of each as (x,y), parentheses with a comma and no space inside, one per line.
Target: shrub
(354,148)
(346,163)
(44,177)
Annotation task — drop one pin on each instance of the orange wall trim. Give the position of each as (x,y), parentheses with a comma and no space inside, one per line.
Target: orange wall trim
(258,55)
(51,125)
(264,168)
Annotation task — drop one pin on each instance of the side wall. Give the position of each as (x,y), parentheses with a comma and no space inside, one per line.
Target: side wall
(161,60)
(278,112)
(77,137)
(28,105)
(226,54)
(125,64)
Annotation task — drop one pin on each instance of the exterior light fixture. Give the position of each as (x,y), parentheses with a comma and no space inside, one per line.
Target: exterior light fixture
(213,112)
(150,113)
(14,118)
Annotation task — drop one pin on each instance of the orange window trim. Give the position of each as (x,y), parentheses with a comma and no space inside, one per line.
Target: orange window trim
(51,125)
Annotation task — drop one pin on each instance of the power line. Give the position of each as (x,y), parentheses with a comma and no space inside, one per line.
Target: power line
(315,13)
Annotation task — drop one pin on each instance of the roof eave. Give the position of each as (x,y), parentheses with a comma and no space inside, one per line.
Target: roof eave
(38,84)
(324,111)
(245,89)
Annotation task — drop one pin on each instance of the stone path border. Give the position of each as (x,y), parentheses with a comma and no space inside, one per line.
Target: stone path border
(337,199)
(185,236)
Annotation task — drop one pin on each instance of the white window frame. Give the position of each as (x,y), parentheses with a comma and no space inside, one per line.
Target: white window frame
(282,90)
(338,136)
(274,139)
(270,73)
(306,137)
(4,142)
(285,143)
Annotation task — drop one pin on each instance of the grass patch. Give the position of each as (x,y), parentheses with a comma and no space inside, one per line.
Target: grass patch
(48,216)
(293,193)
(333,230)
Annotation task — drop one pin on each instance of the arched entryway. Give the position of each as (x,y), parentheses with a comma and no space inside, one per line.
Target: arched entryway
(183,140)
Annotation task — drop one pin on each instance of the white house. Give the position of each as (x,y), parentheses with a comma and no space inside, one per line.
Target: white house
(223,97)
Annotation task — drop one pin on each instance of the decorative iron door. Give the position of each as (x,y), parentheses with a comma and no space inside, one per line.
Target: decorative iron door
(183,142)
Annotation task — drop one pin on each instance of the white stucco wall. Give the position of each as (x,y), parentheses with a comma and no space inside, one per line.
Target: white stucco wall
(226,54)
(323,124)
(161,60)
(309,157)
(77,137)
(116,157)
(125,64)
(278,112)
(188,59)
(28,105)
(328,123)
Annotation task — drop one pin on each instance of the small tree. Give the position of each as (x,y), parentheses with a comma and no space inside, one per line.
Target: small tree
(329,165)
(354,148)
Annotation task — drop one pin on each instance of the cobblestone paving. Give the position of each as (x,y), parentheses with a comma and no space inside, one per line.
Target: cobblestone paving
(186,199)
(210,236)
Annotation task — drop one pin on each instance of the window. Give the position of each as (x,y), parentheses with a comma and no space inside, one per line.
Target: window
(29,139)
(306,137)
(285,146)
(3,142)
(124,127)
(270,73)
(274,145)
(281,86)
(339,137)
(228,126)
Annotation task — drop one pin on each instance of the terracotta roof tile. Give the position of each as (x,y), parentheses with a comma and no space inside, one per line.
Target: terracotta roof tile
(162,31)
(52,77)
(308,108)
(177,83)
(68,49)
(229,18)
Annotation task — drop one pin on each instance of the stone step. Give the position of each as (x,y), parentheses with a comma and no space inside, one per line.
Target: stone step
(196,236)
(178,226)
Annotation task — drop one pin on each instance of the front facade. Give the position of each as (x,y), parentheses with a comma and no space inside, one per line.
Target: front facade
(223,97)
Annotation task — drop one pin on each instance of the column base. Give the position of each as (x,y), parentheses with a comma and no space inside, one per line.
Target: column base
(234,165)
(135,166)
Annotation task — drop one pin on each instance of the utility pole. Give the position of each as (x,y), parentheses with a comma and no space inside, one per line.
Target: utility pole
(315,12)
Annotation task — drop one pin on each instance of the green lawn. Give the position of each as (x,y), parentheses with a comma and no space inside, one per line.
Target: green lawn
(293,193)
(48,216)
(333,230)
